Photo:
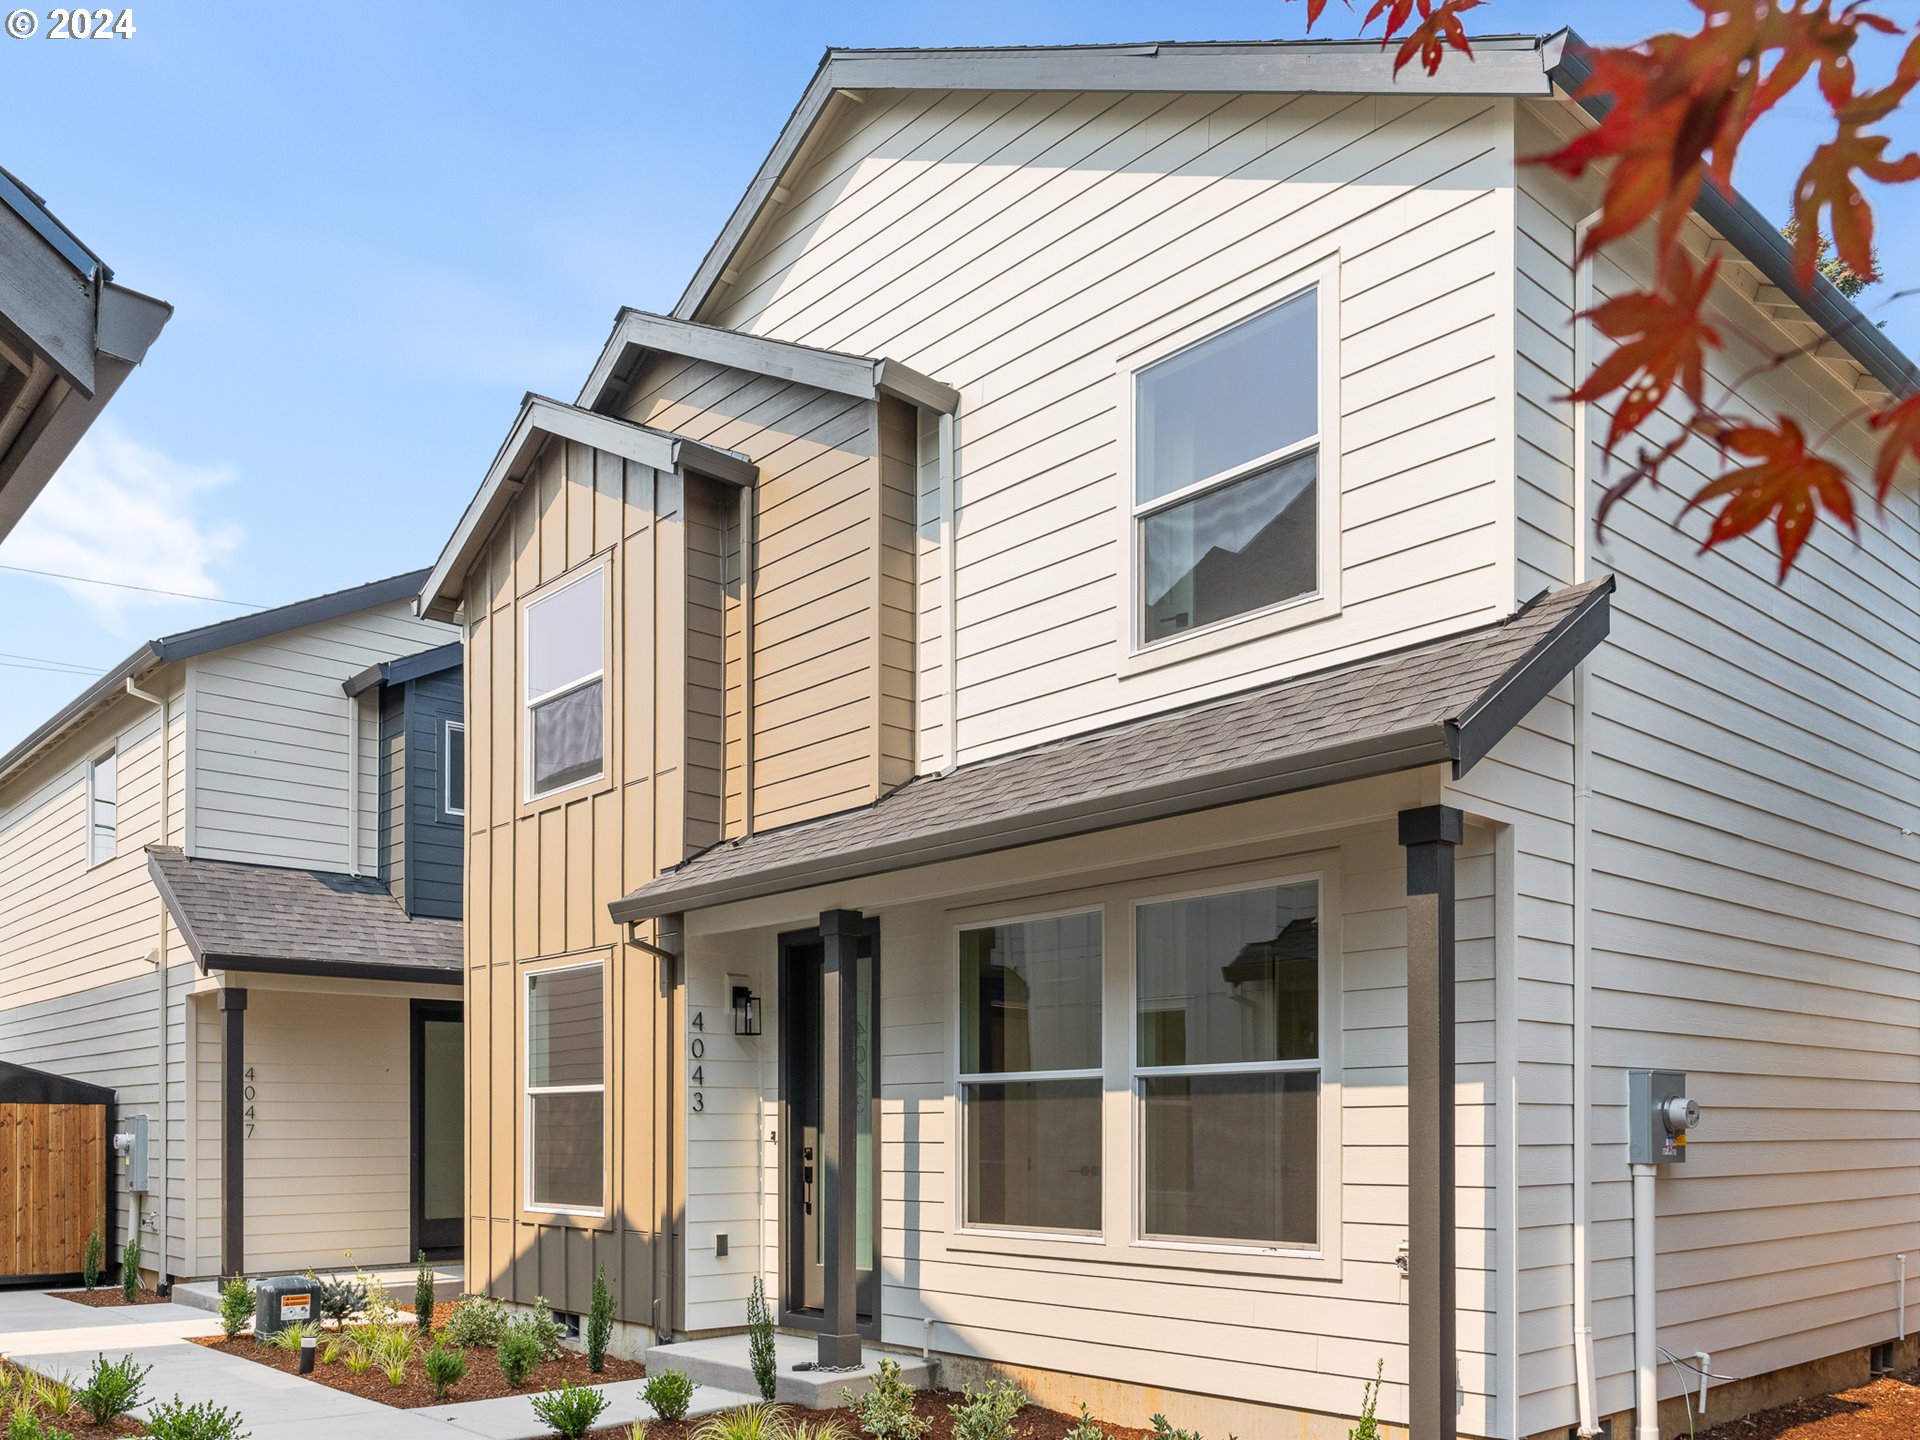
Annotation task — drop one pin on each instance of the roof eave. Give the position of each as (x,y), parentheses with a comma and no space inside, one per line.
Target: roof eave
(332,969)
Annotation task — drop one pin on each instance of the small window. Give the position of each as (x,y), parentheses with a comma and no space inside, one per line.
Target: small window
(566,1090)
(1226,473)
(102,807)
(566,667)
(1228,1068)
(1030,1083)
(453,779)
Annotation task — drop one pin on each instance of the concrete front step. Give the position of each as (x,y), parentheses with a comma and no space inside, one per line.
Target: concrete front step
(720,1361)
(448,1280)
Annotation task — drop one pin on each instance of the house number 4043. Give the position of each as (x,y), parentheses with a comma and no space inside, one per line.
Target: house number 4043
(697,1054)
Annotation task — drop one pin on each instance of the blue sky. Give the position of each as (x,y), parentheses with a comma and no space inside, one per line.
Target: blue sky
(380,224)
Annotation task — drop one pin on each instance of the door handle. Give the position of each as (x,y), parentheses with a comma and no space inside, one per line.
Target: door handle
(806,1181)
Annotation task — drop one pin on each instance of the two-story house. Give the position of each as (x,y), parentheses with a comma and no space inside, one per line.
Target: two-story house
(230,877)
(1060,774)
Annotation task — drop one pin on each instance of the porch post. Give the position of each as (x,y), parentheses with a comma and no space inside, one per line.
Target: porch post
(233,1131)
(839,1134)
(1430,835)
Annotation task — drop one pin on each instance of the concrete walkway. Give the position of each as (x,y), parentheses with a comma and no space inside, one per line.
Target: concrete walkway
(56,1336)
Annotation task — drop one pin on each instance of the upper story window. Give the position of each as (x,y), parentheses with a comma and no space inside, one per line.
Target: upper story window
(453,775)
(103,781)
(566,1090)
(1226,473)
(566,668)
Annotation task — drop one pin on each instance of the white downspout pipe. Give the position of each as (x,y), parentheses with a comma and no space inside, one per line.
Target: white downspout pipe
(162,1001)
(1646,1355)
(951,589)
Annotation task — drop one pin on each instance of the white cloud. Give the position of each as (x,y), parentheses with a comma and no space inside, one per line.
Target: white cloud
(122,511)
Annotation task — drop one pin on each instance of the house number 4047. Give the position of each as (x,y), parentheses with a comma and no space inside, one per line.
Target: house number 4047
(697,1053)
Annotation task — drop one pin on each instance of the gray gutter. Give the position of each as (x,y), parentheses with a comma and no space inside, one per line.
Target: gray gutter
(407,667)
(32,209)
(1742,225)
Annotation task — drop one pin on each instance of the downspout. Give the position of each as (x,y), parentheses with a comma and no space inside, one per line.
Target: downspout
(1583,1378)
(165,1277)
(950,589)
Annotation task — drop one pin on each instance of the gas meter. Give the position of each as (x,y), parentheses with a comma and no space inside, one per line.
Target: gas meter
(1659,1115)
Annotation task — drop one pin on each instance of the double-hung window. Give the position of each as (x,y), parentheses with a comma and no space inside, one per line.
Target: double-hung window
(453,780)
(1226,473)
(566,1090)
(1227,998)
(102,807)
(565,675)
(1030,1078)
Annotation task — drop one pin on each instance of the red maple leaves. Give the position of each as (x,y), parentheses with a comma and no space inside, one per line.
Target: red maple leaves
(1673,113)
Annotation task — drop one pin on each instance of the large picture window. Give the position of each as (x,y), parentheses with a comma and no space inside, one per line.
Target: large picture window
(566,1090)
(1227,1007)
(1226,472)
(565,675)
(1030,1079)
(103,807)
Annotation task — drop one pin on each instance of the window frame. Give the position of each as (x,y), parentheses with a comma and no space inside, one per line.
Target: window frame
(529,796)
(446,769)
(1319,278)
(529,1205)
(1137,1074)
(963,1078)
(93,858)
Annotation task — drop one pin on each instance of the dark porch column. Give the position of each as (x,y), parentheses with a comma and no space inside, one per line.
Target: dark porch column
(233,1131)
(839,1133)
(1430,836)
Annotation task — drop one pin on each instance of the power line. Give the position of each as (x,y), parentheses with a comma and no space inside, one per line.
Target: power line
(123,585)
(73,665)
(50,669)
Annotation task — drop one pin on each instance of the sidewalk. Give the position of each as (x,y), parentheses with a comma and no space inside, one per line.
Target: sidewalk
(52,1336)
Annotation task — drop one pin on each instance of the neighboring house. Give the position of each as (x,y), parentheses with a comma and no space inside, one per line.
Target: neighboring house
(68,337)
(231,881)
(1057,773)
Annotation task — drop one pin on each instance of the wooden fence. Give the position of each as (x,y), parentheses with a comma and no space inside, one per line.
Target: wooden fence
(55,1169)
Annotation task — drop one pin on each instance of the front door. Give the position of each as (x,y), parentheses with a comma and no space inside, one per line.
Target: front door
(439,1128)
(802,1090)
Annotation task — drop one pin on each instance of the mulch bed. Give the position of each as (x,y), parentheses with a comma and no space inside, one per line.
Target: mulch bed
(75,1422)
(106,1298)
(483,1379)
(1888,1409)
(1032,1423)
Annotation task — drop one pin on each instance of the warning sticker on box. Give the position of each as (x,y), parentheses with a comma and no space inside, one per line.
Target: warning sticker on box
(297,1305)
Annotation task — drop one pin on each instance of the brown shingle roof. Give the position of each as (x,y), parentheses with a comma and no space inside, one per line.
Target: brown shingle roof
(314,922)
(1447,700)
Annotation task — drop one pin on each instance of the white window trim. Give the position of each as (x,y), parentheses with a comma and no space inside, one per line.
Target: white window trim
(963,1078)
(1136,1072)
(94,860)
(528,1090)
(529,703)
(446,767)
(1136,653)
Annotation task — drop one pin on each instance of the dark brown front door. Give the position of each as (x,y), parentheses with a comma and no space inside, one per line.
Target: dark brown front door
(802,1087)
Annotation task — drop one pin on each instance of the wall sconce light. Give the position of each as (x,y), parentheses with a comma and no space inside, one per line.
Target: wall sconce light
(746,1011)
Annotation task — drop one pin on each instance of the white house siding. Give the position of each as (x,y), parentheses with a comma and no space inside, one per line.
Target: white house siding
(1225,1330)
(270,739)
(1020,246)
(1752,894)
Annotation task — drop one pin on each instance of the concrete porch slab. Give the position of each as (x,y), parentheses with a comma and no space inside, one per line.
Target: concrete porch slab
(449,1279)
(720,1361)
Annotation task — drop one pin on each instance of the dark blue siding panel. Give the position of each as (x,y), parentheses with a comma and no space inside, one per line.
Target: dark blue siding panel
(435,839)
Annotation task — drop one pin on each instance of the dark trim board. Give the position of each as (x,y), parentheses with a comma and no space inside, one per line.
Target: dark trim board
(23,1085)
(233,1148)
(336,969)
(419,1012)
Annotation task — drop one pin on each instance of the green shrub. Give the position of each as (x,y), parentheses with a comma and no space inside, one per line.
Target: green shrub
(23,1424)
(747,1422)
(112,1390)
(475,1320)
(446,1367)
(571,1409)
(54,1394)
(340,1300)
(423,1295)
(546,1330)
(391,1347)
(518,1352)
(1085,1428)
(1369,1426)
(886,1411)
(130,1270)
(1164,1431)
(289,1336)
(668,1394)
(760,1340)
(93,1259)
(599,1322)
(814,1427)
(236,1306)
(177,1420)
(988,1414)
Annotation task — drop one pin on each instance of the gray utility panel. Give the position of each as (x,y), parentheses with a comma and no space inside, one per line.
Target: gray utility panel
(1659,1115)
(288,1300)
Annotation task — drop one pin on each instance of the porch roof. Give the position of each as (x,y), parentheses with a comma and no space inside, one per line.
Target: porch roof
(1446,700)
(300,922)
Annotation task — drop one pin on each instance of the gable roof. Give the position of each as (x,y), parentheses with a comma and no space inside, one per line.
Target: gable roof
(300,922)
(1448,700)
(540,417)
(1523,66)
(639,333)
(260,625)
